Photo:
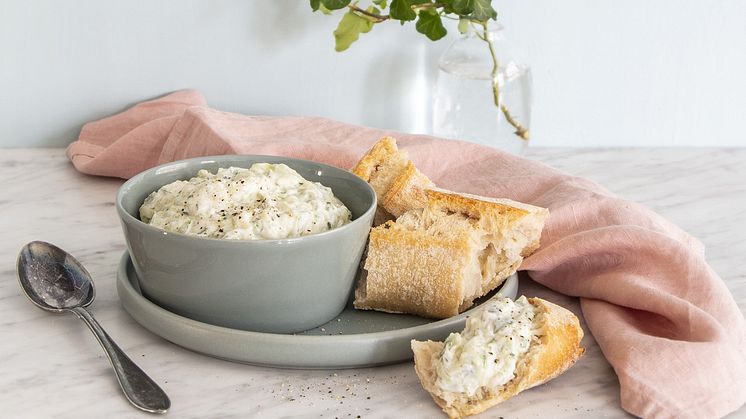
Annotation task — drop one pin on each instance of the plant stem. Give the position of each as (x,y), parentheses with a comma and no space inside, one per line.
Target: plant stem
(381,18)
(376,17)
(416,7)
(519,129)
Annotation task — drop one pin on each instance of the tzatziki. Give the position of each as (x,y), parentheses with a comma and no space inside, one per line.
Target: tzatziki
(266,201)
(486,353)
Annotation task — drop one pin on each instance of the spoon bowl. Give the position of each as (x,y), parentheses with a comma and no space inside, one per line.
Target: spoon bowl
(52,279)
(55,281)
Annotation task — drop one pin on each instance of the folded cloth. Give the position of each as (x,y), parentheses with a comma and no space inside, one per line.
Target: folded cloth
(663,319)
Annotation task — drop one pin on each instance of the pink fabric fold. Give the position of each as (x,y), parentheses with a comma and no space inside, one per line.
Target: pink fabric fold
(662,317)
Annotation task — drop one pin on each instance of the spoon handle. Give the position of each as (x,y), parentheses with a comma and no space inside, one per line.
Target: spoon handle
(139,389)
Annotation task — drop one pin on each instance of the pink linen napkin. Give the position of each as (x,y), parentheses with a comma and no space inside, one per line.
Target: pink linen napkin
(662,317)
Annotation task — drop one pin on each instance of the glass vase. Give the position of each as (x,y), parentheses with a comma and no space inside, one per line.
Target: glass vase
(473,72)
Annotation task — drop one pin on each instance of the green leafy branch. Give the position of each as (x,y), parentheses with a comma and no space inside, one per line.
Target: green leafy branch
(429,15)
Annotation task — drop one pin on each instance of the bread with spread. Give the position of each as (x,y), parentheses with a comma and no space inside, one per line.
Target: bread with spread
(434,261)
(508,347)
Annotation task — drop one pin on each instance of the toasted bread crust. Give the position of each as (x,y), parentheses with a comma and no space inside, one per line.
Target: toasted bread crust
(436,261)
(381,151)
(556,350)
(407,191)
(492,213)
(413,272)
(398,184)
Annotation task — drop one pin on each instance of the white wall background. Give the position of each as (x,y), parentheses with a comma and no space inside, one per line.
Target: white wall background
(606,73)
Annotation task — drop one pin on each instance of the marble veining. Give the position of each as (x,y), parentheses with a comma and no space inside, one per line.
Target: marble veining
(53,367)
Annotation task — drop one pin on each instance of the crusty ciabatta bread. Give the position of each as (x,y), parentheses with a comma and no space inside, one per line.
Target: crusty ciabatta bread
(398,184)
(436,261)
(554,347)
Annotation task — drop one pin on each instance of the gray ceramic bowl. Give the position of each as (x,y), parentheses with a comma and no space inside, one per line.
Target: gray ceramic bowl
(277,286)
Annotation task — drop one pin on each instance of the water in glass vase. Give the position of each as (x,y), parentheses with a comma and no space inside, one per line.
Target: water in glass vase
(464,106)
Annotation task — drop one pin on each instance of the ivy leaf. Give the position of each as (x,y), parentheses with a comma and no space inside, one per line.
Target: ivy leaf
(483,10)
(349,30)
(448,6)
(430,25)
(475,9)
(324,10)
(402,10)
(335,4)
(381,3)
(317,5)
(463,7)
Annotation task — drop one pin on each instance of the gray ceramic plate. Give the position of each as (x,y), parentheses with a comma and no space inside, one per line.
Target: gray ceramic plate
(353,339)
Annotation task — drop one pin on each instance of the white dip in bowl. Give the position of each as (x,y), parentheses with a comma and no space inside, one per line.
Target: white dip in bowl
(265,201)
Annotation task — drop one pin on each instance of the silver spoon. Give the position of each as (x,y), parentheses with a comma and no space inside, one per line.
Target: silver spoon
(55,281)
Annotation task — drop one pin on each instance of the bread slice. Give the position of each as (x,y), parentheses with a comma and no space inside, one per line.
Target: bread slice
(435,261)
(398,184)
(553,349)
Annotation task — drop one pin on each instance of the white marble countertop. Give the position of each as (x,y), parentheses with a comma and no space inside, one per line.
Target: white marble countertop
(53,367)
